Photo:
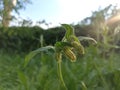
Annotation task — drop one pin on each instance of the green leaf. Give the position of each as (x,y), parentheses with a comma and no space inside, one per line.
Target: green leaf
(35,52)
(69,30)
(92,40)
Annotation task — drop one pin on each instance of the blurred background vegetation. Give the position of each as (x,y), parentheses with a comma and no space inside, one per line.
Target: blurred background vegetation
(98,69)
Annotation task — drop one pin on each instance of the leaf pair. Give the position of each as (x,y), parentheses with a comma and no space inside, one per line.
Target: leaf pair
(69,43)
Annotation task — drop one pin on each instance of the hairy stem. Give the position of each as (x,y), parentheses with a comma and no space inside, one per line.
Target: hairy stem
(61,77)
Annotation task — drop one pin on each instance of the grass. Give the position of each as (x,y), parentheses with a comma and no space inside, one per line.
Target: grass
(89,72)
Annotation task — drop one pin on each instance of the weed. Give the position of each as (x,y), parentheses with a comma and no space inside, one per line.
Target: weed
(69,47)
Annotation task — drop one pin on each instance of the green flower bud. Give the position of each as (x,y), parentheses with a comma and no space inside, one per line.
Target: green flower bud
(78,47)
(68,52)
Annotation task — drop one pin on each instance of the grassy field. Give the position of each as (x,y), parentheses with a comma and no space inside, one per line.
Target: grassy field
(92,71)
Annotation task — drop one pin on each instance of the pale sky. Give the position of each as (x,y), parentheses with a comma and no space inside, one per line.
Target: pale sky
(63,11)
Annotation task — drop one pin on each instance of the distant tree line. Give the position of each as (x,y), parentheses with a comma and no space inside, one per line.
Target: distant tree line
(102,25)
(24,39)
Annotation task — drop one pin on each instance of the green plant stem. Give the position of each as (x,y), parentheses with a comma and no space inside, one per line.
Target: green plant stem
(60,76)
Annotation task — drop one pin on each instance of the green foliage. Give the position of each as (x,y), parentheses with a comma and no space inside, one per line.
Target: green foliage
(91,72)
(53,34)
(19,39)
(25,39)
(23,79)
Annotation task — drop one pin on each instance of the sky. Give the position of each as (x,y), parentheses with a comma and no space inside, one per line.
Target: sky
(63,11)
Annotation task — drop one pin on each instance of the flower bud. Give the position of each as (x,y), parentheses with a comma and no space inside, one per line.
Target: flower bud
(78,47)
(68,52)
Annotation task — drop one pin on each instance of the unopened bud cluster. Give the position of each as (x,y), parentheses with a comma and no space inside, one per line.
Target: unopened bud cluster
(69,46)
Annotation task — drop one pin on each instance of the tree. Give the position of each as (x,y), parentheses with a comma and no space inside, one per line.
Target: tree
(7,6)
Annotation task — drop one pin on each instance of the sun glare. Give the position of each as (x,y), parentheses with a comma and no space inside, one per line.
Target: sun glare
(113,19)
(76,10)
